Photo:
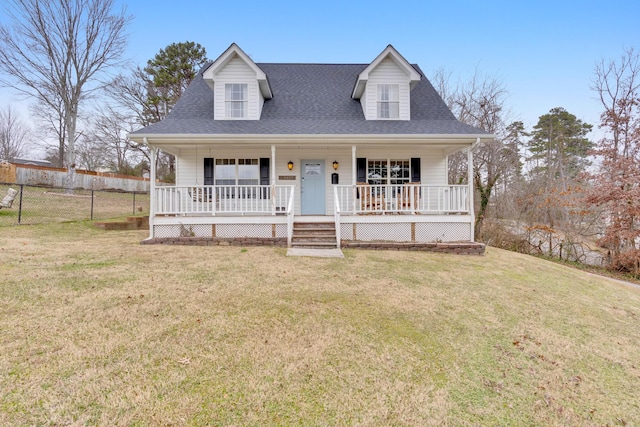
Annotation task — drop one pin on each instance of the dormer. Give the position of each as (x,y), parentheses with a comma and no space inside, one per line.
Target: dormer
(239,86)
(384,87)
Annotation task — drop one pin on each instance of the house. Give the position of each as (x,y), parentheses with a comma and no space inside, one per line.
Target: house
(32,162)
(260,147)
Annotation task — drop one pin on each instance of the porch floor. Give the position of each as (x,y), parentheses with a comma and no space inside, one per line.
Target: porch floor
(320,253)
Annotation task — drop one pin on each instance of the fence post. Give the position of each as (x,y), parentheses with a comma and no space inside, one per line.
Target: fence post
(20,205)
(133,212)
(91,205)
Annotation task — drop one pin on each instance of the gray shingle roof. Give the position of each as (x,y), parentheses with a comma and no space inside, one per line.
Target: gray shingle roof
(310,99)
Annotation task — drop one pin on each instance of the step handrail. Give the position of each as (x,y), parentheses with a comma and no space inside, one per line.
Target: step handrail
(336,214)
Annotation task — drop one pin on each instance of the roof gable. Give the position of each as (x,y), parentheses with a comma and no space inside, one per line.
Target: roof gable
(233,51)
(391,53)
(310,99)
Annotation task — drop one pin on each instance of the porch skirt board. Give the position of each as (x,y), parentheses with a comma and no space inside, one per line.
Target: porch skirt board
(217,241)
(460,248)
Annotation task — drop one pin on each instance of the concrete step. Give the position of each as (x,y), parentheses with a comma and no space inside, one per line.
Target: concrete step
(314,245)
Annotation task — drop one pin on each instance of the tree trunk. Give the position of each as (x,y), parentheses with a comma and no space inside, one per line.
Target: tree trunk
(485,194)
(70,179)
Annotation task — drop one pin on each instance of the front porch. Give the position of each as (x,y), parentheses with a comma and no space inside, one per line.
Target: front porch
(359,199)
(411,213)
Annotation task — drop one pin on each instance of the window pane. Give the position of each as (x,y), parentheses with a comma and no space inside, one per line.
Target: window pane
(394,110)
(225,174)
(400,171)
(377,172)
(248,174)
(393,93)
(384,92)
(383,110)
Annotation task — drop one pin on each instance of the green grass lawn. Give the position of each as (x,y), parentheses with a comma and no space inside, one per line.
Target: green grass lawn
(40,205)
(99,330)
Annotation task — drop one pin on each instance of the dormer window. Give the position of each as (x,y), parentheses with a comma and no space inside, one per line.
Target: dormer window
(236,100)
(388,101)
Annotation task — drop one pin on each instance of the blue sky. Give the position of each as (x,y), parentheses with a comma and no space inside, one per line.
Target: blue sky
(543,51)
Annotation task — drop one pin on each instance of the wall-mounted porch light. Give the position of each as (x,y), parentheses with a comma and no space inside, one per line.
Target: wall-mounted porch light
(335,165)
(290,165)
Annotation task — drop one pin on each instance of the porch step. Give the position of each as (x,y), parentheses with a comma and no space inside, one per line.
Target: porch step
(314,235)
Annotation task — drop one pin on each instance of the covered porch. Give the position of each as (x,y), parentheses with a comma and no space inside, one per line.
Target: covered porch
(366,189)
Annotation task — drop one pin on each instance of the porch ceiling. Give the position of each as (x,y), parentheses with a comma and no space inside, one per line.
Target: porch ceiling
(175,143)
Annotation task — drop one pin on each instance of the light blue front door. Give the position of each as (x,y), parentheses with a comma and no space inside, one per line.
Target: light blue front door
(312,188)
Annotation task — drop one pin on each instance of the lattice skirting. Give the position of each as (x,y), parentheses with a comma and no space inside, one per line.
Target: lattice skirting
(220,230)
(407,232)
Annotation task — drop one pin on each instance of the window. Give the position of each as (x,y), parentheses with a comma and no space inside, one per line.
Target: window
(399,172)
(236,100)
(248,172)
(237,172)
(388,172)
(377,172)
(225,172)
(388,101)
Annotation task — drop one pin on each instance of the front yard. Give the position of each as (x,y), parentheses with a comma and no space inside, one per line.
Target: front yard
(99,330)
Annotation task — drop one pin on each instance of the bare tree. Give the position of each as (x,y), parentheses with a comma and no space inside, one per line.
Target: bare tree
(135,93)
(14,134)
(480,102)
(617,184)
(149,94)
(51,121)
(111,127)
(91,153)
(61,47)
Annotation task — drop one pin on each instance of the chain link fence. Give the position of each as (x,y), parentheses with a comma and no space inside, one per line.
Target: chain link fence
(37,205)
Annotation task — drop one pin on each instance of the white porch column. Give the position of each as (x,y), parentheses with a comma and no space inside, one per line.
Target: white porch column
(446,167)
(273,180)
(471,189)
(273,165)
(354,177)
(152,186)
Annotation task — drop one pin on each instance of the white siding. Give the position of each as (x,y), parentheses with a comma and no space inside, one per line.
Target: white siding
(187,168)
(433,169)
(342,155)
(363,103)
(387,72)
(190,164)
(237,71)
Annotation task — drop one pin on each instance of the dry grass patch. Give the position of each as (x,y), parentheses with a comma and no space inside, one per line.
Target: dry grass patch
(99,330)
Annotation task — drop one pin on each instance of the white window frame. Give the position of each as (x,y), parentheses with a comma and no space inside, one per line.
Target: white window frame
(236,97)
(246,171)
(389,172)
(389,101)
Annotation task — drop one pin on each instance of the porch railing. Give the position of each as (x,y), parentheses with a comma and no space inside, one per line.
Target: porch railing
(337,209)
(223,199)
(290,211)
(408,198)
